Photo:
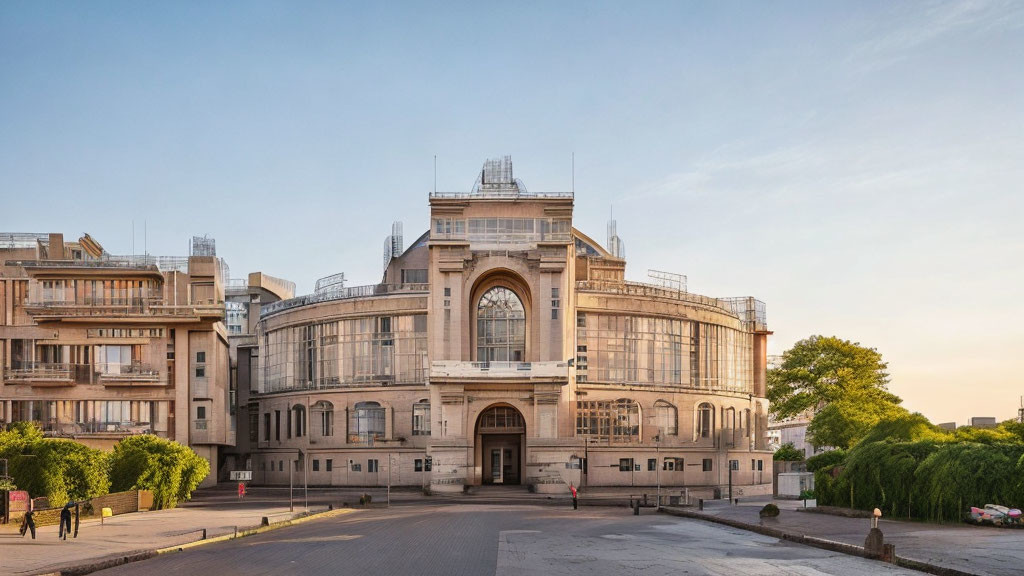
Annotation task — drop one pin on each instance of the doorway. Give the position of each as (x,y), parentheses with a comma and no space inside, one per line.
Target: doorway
(500,438)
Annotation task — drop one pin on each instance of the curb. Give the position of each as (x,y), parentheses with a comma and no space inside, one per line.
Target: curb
(822,543)
(130,557)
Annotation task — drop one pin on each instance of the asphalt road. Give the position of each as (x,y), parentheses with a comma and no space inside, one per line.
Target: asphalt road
(502,540)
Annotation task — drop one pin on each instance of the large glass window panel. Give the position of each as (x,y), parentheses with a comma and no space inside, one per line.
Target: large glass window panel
(501,327)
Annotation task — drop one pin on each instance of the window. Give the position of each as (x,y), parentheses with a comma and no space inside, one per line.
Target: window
(447,292)
(652,464)
(316,465)
(200,371)
(330,464)
(500,327)
(618,418)
(673,464)
(760,465)
(706,465)
(299,412)
(554,313)
(372,465)
(323,416)
(271,465)
(753,464)
(734,464)
(200,412)
(280,465)
(625,464)
(200,357)
(705,420)
(366,423)
(266,426)
(421,418)
(414,276)
(277,425)
(667,418)
(417,465)
(357,467)
(254,425)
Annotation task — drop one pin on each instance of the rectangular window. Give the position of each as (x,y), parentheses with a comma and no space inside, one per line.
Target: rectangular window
(316,465)
(372,465)
(357,467)
(271,465)
(652,464)
(330,464)
(707,464)
(417,465)
(753,464)
(554,292)
(200,412)
(447,292)
(280,465)
(200,371)
(734,464)
(266,427)
(277,425)
(625,464)
(254,427)
(554,313)
(760,465)
(200,357)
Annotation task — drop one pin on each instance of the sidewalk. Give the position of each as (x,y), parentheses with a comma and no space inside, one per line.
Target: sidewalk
(125,534)
(985,551)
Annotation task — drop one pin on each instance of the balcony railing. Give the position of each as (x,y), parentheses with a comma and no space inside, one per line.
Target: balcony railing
(459,369)
(129,307)
(41,373)
(501,193)
(64,428)
(132,374)
(344,294)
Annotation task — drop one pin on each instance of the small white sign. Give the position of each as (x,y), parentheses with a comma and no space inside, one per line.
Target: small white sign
(241,475)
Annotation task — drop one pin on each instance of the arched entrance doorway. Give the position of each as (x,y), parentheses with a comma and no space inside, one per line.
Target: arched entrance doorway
(501,445)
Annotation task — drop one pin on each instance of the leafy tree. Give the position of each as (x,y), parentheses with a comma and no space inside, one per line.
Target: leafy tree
(59,469)
(843,382)
(906,428)
(168,469)
(788,452)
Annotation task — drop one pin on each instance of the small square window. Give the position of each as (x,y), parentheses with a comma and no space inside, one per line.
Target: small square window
(555,303)
(625,464)
(581,321)
(372,465)
(447,292)
(707,465)
(330,464)
(316,465)
(200,357)
(200,371)
(200,412)
(652,464)
(357,467)
(554,292)
(554,313)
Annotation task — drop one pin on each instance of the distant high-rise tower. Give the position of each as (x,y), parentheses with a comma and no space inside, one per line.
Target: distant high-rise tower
(615,244)
(394,245)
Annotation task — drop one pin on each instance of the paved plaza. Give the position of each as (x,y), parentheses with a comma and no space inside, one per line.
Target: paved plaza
(506,540)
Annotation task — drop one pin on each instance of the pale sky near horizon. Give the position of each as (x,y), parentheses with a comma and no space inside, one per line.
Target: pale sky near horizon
(855,165)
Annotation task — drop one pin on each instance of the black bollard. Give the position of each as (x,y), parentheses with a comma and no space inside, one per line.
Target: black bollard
(700,503)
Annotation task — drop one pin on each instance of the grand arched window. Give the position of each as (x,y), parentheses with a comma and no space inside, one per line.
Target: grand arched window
(500,327)
(366,423)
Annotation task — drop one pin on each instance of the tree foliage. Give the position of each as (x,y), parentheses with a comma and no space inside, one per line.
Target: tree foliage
(59,469)
(845,384)
(168,469)
(788,452)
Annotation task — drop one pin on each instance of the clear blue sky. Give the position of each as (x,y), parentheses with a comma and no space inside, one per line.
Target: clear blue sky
(855,165)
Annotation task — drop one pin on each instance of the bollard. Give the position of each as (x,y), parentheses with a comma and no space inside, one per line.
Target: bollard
(736,502)
(330,507)
(265,521)
(204,534)
(636,509)
(700,503)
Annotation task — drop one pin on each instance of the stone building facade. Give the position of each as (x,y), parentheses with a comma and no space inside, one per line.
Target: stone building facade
(95,347)
(506,347)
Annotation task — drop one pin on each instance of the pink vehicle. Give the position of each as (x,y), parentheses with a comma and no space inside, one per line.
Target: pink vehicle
(995,514)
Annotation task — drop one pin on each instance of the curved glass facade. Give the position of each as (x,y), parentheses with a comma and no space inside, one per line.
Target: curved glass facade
(664,352)
(373,350)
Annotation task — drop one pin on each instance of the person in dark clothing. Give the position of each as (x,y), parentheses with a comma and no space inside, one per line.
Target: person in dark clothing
(65,521)
(575,502)
(28,523)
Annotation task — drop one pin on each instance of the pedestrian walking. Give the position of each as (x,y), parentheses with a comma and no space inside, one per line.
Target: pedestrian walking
(65,522)
(241,490)
(575,501)
(28,523)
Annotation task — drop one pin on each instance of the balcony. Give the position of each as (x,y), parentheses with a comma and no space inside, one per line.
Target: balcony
(134,374)
(454,369)
(127,308)
(66,428)
(41,374)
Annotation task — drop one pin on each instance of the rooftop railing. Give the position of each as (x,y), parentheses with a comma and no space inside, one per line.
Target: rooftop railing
(369,291)
(746,309)
(503,193)
(129,374)
(40,372)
